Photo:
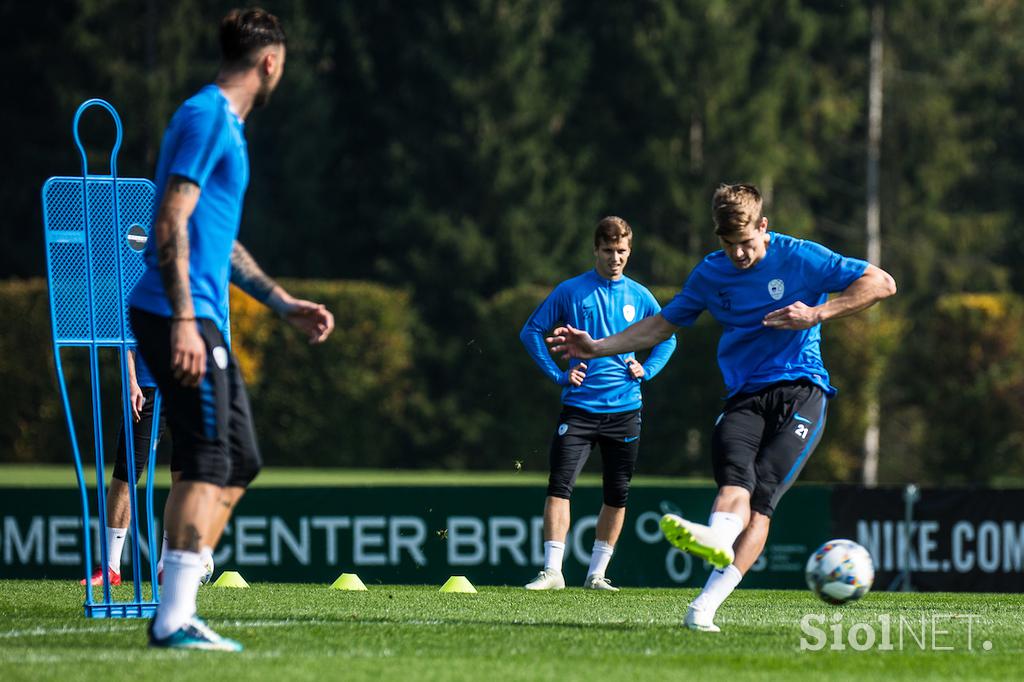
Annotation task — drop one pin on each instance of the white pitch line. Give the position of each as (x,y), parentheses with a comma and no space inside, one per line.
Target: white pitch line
(64,630)
(107,628)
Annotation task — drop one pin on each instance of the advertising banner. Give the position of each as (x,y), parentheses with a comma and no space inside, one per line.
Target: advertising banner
(422,535)
(957,540)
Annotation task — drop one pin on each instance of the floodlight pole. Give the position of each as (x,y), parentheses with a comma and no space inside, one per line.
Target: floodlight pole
(873,220)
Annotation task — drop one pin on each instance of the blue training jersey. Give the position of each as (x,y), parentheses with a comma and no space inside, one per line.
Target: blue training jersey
(143,377)
(205,142)
(602,307)
(750,355)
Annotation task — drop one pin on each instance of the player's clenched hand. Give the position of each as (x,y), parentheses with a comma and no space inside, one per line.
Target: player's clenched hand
(577,374)
(795,316)
(571,343)
(136,398)
(312,319)
(188,353)
(636,370)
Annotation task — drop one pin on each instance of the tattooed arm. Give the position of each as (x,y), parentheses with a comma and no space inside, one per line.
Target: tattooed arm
(179,201)
(313,319)
(188,352)
(248,276)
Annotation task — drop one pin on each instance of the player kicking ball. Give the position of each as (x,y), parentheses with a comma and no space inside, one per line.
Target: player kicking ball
(770,292)
(601,400)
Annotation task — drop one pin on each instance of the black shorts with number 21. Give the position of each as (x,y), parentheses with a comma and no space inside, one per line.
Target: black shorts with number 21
(762,440)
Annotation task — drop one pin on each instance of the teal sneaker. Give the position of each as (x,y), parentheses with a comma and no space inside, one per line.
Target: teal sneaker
(697,539)
(195,634)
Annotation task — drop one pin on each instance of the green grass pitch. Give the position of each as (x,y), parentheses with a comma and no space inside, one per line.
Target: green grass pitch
(63,476)
(309,632)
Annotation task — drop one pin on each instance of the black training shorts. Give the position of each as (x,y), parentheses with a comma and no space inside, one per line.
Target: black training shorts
(211,424)
(762,440)
(578,431)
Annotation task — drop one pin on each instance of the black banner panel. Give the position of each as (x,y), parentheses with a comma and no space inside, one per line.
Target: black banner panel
(957,540)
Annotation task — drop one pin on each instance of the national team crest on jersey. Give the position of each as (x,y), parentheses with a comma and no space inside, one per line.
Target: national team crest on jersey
(776,288)
(628,312)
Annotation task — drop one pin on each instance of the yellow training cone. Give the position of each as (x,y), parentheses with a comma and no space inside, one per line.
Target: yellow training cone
(348,581)
(231,579)
(458,583)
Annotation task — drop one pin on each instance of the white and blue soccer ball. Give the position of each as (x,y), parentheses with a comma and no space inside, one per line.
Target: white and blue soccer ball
(840,572)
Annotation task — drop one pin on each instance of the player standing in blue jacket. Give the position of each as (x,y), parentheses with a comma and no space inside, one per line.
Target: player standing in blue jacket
(601,399)
(770,293)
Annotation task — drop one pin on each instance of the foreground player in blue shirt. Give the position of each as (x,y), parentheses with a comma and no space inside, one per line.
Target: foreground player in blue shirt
(770,294)
(601,399)
(180,306)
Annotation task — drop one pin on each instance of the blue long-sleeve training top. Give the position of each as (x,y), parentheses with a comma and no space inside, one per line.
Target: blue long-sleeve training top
(601,307)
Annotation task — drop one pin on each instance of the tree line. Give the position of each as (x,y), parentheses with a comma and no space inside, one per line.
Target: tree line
(456,150)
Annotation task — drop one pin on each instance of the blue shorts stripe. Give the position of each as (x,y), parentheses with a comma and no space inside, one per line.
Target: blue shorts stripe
(810,444)
(208,405)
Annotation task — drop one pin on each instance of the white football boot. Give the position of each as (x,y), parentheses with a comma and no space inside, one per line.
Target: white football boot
(698,619)
(697,539)
(547,579)
(599,582)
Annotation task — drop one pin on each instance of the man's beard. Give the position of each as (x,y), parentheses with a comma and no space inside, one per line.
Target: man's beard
(263,94)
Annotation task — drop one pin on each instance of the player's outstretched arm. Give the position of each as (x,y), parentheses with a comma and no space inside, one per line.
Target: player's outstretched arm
(312,319)
(576,343)
(868,289)
(188,352)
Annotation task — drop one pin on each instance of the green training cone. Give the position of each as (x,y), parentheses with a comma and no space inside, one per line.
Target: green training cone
(348,581)
(231,579)
(458,583)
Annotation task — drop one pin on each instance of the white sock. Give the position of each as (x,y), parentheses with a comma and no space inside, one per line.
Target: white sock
(178,596)
(115,546)
(163,553)
(599,559)
(553,552)
(726,525)
(206,556)
(720,585)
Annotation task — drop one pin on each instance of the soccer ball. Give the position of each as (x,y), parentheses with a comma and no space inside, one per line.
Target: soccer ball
(840,572)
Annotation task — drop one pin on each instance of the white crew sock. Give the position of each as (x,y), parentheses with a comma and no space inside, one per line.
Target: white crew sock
(599,559)
(163,553)
(720,585)
(553,552)
(726,526)
(206,556)
(115,546)
(182,570)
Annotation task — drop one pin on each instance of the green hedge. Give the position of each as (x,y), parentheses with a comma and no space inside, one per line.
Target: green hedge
(340,403)
(952,388)
(963,373)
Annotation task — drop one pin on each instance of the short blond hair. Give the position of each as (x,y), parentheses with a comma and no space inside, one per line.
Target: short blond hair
(611,229)
(733,207)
